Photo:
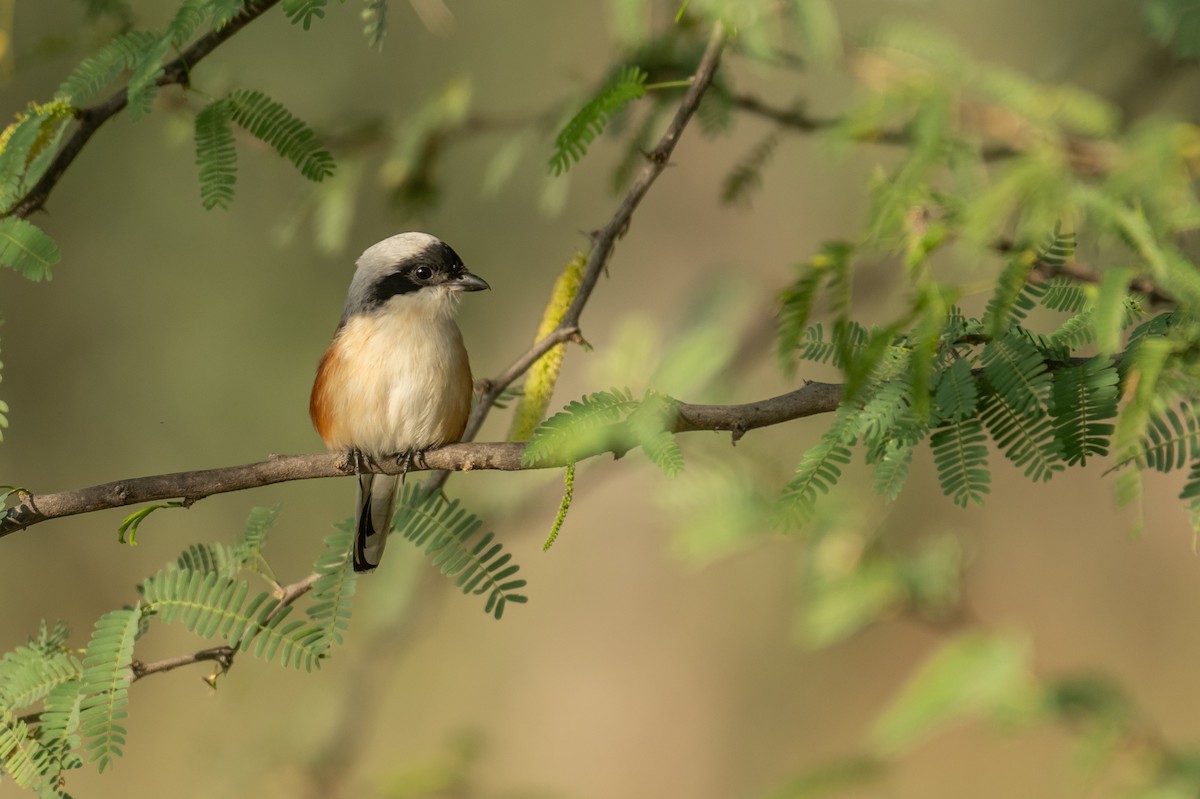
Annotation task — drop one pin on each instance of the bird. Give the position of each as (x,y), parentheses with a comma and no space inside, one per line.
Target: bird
(396,380)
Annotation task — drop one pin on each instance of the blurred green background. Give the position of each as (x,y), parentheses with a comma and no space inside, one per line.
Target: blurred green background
(649,662)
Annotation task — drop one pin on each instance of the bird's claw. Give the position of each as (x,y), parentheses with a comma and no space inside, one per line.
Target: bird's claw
(405,460)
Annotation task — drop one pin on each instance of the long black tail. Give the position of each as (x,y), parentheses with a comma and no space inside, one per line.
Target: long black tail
(373,518)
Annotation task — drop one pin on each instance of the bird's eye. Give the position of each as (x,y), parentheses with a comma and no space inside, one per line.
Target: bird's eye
(423,272)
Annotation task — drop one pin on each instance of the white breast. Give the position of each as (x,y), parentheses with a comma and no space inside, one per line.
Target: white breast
(399,380)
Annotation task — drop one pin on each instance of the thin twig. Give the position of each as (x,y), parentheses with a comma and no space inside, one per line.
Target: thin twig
(1086,273)
(223,655)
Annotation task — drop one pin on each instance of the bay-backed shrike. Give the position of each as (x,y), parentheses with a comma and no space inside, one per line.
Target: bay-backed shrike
(395,381)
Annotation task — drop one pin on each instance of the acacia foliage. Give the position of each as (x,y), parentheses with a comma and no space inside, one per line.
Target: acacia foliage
(1060,364)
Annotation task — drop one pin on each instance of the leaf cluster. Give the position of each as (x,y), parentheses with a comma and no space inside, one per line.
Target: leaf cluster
(446,533)
(30,143)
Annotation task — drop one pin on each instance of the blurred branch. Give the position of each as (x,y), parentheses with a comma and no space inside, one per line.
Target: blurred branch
(1085,273)
(93,117)
(1085,156)
(813,398)
(330,766)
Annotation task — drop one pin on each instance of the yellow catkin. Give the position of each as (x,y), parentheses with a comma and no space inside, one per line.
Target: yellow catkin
(541,378)
(50,112)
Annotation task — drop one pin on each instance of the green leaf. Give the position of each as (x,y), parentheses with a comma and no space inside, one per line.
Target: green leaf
(119,10)
(222,12)
(107,673)
(127,532)
(960,454)
(820,468)
(1172,439)
(58,730)
(188,19)
(269,121)
(974,673)
(227,560)
(1063,294)
(215,155)
(143,83)
(817,31)
(26,146)
(212,605)
(27,249)
(956,393)
(571,143)
(886,415)
(1085,402)
(1009,302)
(124,52)
(29,673)
(836,609)
(1175,25)
(1027,439)
(584,427)
(1075,332)
(1110,309)
(649,427)
(333,591)
(891,469)
(447,531)
(375,22)
(1017,371)
(19,751)
(745,177)
(303,12)
(259,522)
(830,265)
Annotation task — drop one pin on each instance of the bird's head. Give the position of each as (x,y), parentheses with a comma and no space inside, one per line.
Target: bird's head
(410,272)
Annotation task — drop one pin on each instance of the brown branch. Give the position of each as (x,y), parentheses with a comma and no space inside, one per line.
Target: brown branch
(812,399)
(1085,156)
(222,655)
(93,117)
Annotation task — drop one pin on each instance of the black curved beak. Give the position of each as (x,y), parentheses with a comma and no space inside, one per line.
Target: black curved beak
(468,282)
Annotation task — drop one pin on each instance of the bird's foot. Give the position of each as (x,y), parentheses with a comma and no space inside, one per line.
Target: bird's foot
(355,458)
(405,460)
